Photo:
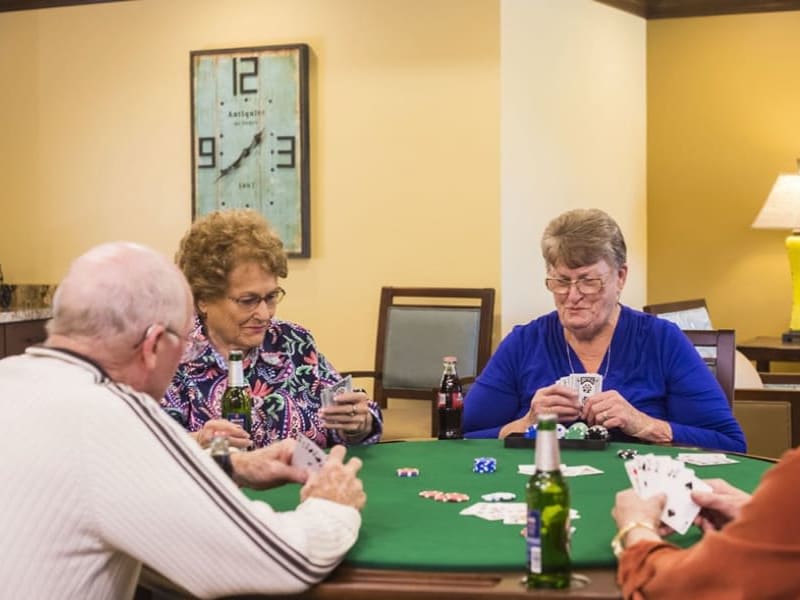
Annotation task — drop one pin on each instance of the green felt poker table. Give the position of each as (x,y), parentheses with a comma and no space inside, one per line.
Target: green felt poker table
(411,546)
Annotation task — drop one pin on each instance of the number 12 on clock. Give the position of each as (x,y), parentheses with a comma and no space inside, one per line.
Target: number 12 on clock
(250,136)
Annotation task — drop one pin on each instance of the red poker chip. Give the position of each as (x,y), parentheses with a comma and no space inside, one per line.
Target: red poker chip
(455,497)
(430,493)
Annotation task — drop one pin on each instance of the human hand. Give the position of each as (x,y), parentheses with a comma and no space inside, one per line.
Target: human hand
(336,481)
(630,507)
(555,399)
(237,437)
(719,506)
(349,414)
(267,467)
(611,410)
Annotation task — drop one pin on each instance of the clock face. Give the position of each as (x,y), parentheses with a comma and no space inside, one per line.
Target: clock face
(250,136)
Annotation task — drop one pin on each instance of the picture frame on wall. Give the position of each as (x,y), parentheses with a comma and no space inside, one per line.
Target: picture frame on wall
(250,131)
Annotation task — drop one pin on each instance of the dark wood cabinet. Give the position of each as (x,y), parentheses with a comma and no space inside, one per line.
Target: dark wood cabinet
(16,336)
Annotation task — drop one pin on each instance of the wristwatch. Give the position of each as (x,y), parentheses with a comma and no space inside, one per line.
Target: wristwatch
(618,541)
(221,454)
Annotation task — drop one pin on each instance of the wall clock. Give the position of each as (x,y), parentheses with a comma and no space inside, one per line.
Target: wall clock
(250,136)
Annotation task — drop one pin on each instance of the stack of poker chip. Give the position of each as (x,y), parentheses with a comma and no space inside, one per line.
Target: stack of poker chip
(408,472)
(484,464)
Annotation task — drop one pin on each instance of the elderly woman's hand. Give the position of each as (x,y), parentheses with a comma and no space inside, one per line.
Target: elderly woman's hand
(555,399)
(349,414)
(611,410)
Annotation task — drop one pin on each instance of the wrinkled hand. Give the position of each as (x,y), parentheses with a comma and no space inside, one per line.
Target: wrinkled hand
(555,399)
(237,437)
(350,414)
(630,507)
(719,506)
(611,410)
(267,467)
(336,481)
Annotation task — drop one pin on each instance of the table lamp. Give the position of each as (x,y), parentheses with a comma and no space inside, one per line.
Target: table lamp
(782,211)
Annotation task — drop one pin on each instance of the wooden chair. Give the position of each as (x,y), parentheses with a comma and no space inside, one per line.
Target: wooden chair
(419,326)
(770,417)
(723,363)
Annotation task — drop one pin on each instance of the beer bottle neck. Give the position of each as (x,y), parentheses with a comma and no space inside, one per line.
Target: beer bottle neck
(235,374)
(548,457)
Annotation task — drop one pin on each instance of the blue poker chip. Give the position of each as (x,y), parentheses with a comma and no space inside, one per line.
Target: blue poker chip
(484,464)
(499,497)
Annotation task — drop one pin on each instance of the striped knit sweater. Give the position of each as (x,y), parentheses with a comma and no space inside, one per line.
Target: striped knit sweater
(97,480)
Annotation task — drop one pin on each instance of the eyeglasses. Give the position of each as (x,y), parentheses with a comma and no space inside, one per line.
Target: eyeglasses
(586,286)
(251,301)
(167,329)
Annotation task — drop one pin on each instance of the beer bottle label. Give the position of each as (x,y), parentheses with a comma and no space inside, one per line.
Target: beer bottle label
(237,419)
(534,541)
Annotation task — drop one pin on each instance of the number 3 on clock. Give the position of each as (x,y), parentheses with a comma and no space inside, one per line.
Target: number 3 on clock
(250,136)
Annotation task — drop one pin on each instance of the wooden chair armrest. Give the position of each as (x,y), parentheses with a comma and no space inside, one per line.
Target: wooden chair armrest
(355,374)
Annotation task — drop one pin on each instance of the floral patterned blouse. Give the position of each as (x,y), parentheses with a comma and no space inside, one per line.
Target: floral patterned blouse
(286,374)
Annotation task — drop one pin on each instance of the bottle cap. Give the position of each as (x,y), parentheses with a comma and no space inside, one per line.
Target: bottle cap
(235,355)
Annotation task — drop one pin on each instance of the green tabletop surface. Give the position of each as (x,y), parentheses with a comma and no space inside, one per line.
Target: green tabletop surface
(401,530)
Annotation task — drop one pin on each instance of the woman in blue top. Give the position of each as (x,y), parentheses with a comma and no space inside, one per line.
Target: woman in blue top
(655,385)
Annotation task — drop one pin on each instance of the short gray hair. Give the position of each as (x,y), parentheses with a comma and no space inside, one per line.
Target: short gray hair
(582,237)
(114,292)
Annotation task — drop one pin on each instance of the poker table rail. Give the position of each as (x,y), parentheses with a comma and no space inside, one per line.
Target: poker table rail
(417,547)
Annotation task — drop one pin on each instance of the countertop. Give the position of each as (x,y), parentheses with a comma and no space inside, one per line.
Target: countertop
(15,315)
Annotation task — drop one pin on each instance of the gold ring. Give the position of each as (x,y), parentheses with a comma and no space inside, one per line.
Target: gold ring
(353,411)
(604,417)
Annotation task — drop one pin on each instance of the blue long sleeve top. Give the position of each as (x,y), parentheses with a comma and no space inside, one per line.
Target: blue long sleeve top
(651,363)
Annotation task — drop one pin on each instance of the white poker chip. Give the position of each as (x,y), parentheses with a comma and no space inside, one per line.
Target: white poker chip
(498,497)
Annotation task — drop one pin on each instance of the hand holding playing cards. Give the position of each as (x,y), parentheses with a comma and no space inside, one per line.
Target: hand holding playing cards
(719,506)
(237,437)
(556,399)
(632,508)
(336,481)
(349,413)
(267,467)
(611,410)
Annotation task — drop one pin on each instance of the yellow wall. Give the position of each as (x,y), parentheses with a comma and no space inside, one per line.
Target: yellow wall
(404,142)
(573,136)
(723,121)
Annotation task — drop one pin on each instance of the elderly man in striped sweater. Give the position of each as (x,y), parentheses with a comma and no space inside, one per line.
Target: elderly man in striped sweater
(98,480)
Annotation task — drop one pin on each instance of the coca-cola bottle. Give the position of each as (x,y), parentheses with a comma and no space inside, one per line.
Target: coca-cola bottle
(450,402)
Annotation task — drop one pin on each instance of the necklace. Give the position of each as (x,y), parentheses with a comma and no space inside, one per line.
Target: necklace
(606,357)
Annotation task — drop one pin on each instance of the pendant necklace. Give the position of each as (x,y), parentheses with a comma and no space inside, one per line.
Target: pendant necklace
(606,357)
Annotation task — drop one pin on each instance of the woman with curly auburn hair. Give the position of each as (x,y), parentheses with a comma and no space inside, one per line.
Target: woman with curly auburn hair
(232,260)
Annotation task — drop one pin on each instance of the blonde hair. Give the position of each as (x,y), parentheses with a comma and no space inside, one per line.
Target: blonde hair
(220,241)
(582,237)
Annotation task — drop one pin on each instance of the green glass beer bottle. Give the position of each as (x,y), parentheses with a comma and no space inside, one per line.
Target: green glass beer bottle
(548,524)
(236,402)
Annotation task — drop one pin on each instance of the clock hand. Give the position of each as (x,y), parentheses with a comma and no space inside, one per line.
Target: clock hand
(254,143)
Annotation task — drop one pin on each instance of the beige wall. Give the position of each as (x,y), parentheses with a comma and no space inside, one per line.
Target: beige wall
(404,142)
(723,121)
(573,136)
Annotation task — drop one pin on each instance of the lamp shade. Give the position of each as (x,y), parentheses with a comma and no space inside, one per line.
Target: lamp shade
(782,208)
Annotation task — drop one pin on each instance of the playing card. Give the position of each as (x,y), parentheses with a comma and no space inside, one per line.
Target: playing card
(632,469)
(307,455)
(578,470)
(705,459)
(587,385)
(328,394)
(680,510)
